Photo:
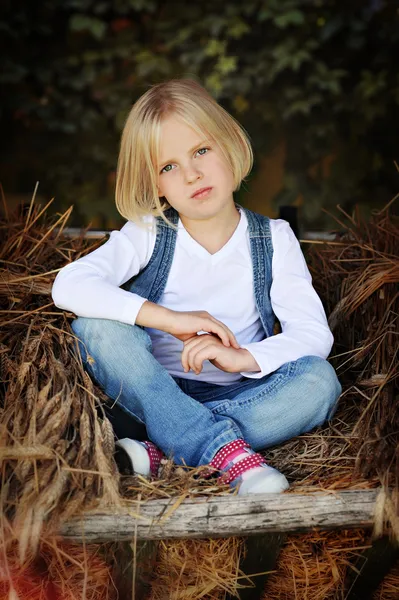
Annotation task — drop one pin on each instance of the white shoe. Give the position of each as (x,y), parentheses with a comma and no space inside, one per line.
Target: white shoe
(267,481)
(144,457)
(247,470)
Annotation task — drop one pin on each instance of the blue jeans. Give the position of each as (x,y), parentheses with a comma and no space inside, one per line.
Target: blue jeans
(191,420)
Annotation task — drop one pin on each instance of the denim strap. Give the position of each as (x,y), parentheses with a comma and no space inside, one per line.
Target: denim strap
(151,281)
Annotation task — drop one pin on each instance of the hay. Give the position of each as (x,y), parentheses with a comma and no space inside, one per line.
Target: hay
(59,571)
(389,588)
(323,566)
(79,571)
(358,283)
(198,569)
(315,565)
(357,280)
(56,453)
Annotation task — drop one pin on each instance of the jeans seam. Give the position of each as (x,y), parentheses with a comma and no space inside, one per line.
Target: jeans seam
(244,403)
(91,372)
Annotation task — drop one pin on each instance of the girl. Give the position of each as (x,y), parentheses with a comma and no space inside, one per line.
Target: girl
(176,310)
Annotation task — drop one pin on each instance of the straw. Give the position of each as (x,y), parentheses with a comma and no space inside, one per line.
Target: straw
(56,451)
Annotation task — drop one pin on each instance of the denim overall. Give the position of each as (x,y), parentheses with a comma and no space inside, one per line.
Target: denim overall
(151,282)
(191,420)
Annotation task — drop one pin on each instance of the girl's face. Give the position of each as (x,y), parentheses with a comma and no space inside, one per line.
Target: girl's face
(188,163)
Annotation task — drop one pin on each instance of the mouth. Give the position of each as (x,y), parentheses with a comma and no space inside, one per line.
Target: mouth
(202,192)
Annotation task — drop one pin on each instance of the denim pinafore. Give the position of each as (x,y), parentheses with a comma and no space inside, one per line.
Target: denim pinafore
(151,281)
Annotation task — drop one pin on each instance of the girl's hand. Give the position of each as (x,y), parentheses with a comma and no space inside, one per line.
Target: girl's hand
(208,347)
(186,325)
(183,325)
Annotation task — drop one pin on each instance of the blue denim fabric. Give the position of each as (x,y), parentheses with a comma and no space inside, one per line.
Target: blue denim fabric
(192,420)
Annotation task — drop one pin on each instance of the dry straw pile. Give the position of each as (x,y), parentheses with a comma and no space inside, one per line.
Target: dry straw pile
(56,445)
(317,566)
(357,278)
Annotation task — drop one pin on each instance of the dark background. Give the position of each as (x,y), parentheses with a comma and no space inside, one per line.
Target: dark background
(315,83)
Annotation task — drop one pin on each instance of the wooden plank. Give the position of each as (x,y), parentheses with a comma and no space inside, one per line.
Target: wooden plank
(223,516)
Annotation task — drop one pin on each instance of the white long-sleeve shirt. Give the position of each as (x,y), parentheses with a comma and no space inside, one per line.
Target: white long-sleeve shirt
(220,283)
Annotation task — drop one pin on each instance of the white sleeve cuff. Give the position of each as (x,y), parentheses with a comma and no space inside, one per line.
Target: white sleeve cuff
(260,359)
(131,309)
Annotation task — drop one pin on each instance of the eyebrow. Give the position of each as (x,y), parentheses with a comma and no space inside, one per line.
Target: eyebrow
(166,162)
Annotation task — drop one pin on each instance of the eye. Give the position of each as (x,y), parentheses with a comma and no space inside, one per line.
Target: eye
(201,149)
(166,169)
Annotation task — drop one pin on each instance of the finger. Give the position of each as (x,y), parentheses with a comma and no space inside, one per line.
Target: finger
(190,349)
(196,339)
(186,349)
(194,363)
(221,331)
(212,325)
(228,331)
(199,355)
(201,352)
(184,360)
(192,353)
(230,337)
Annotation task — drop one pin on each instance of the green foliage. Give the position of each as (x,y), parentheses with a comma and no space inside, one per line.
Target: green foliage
(320,74)
(96,27)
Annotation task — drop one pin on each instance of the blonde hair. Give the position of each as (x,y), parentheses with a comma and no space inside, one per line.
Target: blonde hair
(136,193)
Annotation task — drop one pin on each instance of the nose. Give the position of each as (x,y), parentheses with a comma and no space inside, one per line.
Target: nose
(192,173)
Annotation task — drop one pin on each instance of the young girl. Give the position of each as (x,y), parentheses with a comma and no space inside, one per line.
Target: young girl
(176,311)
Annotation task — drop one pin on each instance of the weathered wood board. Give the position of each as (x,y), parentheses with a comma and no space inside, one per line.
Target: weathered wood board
(224,516)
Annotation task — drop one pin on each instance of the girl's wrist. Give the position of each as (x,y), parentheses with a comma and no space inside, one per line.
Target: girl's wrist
(154,316)
(247,362)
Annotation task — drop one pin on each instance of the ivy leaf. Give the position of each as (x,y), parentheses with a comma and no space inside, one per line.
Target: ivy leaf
(215,47)
(214,84)
(238,29)
(226,64)
(264,14)
(292,17)
(302,106)
(80,22)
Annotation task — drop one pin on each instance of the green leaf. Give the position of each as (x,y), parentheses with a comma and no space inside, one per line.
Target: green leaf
(213,83)
(372,83)
(215,47)
(226,64)
(238,29)
(303,106)
(80,22)
(292,17)
(264,14)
